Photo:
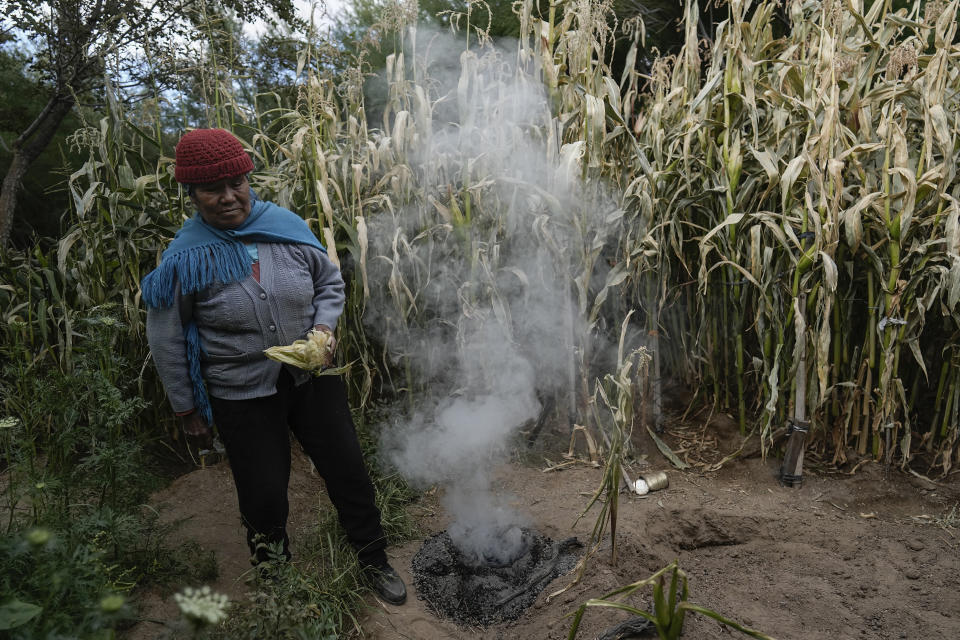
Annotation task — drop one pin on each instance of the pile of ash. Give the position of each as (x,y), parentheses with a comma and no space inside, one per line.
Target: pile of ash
(482,591)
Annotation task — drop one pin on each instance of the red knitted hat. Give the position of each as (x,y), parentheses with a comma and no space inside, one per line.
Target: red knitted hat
(208,155)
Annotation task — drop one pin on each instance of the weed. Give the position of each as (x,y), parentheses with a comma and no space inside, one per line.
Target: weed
(298,600)
(670,605)
(57,588)
(74,532)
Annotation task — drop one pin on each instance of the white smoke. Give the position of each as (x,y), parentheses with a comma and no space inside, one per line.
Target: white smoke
(482,310)
(455,440)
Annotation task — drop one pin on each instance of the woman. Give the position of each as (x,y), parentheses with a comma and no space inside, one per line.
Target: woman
(241,276)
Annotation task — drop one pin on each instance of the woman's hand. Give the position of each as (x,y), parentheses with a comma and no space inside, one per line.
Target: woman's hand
(197,430)
(331,345)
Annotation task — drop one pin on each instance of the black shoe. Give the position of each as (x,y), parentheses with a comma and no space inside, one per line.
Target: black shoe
(387,583)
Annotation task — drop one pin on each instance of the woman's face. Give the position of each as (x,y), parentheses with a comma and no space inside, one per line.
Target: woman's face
(223,204)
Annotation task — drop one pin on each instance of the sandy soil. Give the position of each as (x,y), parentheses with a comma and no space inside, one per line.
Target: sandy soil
(872,554)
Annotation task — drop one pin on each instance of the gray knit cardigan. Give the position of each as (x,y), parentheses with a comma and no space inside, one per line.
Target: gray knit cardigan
(299,288)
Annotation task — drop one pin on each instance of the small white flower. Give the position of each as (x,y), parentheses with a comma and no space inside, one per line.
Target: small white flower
(202,607)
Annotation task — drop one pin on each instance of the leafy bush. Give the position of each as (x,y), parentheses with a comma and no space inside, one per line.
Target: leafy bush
(55,588)
(75,466)
(69,440)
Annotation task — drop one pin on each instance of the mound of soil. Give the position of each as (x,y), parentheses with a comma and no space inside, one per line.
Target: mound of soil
(470,593)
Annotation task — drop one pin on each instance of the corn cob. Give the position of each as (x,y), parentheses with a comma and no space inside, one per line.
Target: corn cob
(311,354)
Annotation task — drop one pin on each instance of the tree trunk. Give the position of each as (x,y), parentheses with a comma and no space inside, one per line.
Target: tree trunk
(26,149)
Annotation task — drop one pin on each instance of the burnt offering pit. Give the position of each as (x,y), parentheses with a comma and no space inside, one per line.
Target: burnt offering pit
(483,589)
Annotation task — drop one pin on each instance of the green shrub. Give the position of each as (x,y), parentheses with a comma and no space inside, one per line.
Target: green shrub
(55,588)
(74,528)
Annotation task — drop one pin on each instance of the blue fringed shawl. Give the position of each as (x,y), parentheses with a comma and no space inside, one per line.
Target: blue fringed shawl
(200,255)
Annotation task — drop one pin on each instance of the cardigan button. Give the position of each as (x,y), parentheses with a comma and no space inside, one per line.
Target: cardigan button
(273,327)
(263,296)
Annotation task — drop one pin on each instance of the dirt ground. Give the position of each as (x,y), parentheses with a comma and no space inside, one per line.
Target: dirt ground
(864,555)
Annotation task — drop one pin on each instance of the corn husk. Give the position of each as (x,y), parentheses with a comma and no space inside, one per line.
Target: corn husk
(312,354)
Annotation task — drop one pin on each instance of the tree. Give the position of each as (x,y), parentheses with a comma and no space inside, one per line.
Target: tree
(370,30)
(78,43)
(22,99)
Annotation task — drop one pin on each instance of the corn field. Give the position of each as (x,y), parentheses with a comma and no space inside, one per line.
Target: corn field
(774,205)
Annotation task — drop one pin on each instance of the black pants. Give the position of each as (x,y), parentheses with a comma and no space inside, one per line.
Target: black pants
(256,435)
